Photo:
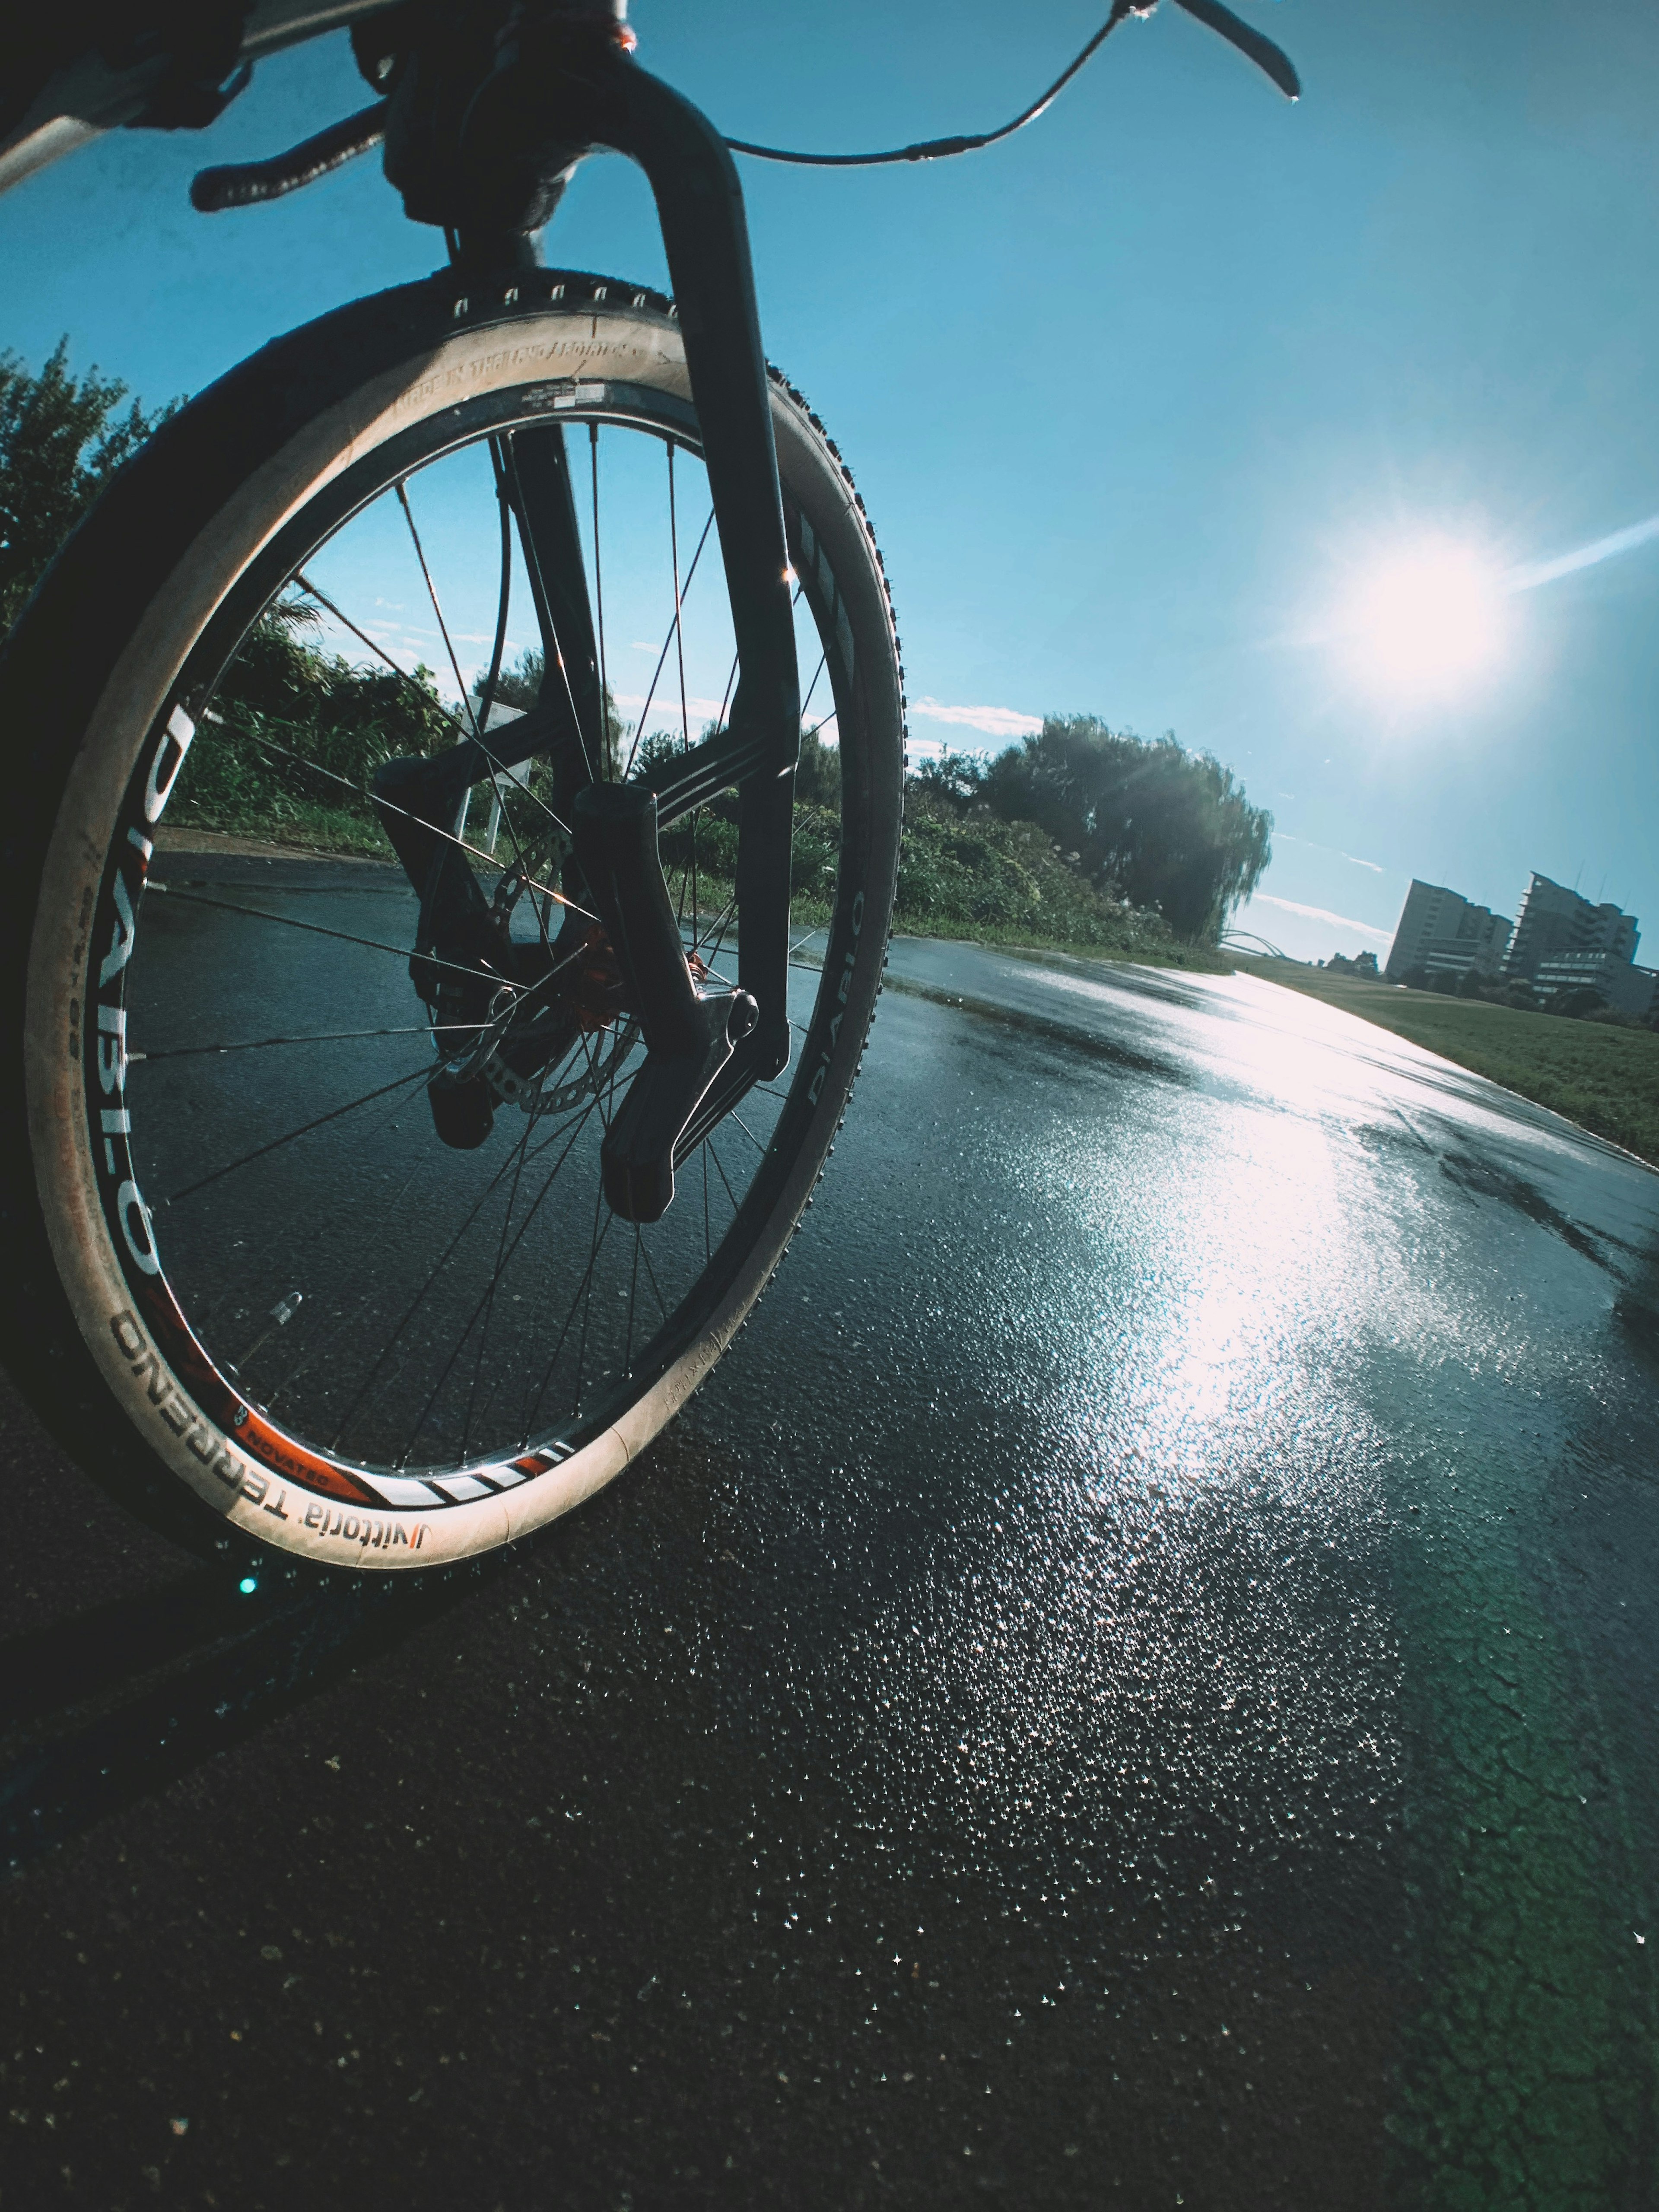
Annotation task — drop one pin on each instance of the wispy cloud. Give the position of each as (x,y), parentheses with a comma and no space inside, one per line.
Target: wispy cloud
(995,721)
(1534,573)
(668,710)
(1314,846)
(1323,913)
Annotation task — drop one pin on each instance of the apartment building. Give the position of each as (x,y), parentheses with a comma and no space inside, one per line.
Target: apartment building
(1442,931)
(1555,923)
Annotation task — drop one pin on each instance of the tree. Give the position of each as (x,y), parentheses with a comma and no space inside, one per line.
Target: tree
(817,777)
(60,443)
(1575,1003)
(519,686)
(957,780)
(519,681)
(1151,822)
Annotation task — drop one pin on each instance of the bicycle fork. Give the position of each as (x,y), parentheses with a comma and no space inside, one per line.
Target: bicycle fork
(563,86)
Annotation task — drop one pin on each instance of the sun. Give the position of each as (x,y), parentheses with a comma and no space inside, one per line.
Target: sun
(1426,622)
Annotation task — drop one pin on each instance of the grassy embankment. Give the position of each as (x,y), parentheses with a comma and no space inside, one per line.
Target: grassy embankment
(977,879)
(1604,1078)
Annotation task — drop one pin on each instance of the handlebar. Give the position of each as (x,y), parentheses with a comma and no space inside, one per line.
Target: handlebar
(181,69)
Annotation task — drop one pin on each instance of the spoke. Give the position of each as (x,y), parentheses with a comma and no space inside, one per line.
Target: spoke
(449,836)
(607,1111)
(731,673)
(475,731)
(651,1277)
(521,1150)
(718,923)
(317,1037)
(442,1261)
(419,1075)
(673,632)
(428,700)
(345,936)
(709,958)
(597,1237)
(725,696)
(679,604)
(689,877)
(259,737)
(487,698)
(373,1127)
(733,1115)
(679,648)
(367,1265)
(598,604)
(432,593)
(492,761)
(822,662)
(585,1294)
(477,727)
(709,1146)
(533,517)
(486,1305)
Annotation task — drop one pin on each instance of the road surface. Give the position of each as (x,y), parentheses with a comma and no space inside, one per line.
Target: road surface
(1135,1683)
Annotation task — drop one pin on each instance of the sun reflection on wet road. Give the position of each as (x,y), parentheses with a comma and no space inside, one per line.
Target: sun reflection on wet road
(1134,1682)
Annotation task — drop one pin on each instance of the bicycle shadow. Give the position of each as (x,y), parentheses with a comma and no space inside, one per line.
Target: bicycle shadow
(115,1703)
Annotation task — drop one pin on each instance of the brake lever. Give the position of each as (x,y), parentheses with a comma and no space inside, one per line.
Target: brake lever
(1249,42)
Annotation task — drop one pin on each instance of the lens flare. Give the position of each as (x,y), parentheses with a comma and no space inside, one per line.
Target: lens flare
(1427,621)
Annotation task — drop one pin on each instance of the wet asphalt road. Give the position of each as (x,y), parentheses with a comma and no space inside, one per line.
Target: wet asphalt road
(1135,1683)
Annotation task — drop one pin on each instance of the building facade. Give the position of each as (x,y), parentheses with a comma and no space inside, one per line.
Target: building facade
(1555,923)
(1442,931)
(1627,988)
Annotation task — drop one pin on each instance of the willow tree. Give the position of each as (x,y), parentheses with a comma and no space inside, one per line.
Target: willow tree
(1147,820)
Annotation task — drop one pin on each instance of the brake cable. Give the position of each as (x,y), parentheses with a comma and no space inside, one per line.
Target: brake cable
(1249,42)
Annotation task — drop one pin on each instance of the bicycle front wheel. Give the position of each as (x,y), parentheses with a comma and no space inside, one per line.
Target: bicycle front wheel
(268,1296)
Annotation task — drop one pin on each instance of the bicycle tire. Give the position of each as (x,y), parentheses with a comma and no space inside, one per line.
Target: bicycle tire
(88,682)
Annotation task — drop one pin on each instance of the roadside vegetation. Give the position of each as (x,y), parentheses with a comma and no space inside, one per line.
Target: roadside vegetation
(1082,837)
(1603,1075)
(1079,837)
(61,440)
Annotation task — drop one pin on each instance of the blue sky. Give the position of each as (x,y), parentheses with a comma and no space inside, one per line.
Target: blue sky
(1134,398)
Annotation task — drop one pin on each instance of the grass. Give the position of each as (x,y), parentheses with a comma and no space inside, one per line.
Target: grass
(1019,936)
(328,829)
(1604,1078)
